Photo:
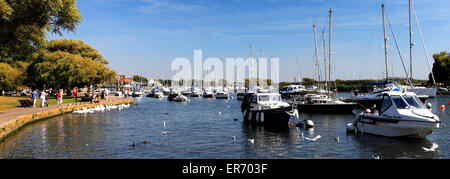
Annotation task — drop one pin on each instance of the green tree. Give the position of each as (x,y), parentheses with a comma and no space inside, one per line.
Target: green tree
(137,78)
(75,47)
(9,77)
(24,24)
(441,68)
(65,70)
(308,81)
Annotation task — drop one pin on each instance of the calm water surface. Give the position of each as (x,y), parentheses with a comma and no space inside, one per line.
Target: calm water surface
(203,129)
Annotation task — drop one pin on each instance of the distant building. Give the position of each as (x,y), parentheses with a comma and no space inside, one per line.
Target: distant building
(123,81)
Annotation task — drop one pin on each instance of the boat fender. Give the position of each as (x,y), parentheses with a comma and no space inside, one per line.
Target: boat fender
(309,124)
(429,106)
(350,127)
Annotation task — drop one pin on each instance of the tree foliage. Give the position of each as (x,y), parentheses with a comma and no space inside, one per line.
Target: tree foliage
(137,78)
(9,77)
(75,47)
(441,68)
(63,70)
(24,24)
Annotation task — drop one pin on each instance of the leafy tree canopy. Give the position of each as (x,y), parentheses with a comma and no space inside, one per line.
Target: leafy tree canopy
(24,24)
(441,68)
(75,47)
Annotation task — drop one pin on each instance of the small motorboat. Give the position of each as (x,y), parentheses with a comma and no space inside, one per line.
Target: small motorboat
(266,108)
(158,94)
(317,103)
(208,93)
(401,114)
(181,98)
(222,95)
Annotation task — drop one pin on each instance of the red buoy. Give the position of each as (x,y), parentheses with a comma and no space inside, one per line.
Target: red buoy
(442,106)
(368,111)
(448,102)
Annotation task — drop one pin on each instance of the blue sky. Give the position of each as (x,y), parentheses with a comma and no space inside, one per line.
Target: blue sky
(144,36)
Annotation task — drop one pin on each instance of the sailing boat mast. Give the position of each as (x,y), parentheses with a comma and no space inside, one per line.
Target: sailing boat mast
(325,58)
(329,51)
(316,54)
(410,41)
(385,43)
(297,79)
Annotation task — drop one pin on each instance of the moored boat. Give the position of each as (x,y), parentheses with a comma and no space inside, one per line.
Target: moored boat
(400,115)
(266,108)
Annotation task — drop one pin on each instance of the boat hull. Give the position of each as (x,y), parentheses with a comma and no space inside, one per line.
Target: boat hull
(327,108)
(222,96)
(394,128)
(271,117)
(208,96)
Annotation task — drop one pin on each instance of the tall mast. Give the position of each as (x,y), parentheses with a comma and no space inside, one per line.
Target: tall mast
(316,54)
(325,58)
(385,43)
(298,71)
(410,41)
(329,50)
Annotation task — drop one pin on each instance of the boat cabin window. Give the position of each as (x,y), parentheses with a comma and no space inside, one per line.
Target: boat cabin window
(399,102)
(413,101)
(276,98)
(263,98)
(386,104)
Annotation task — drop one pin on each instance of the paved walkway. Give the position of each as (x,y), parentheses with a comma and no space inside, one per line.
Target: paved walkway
(14,113)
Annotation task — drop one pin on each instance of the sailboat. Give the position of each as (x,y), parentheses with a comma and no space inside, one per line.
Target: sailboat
(419,90)
(321,103)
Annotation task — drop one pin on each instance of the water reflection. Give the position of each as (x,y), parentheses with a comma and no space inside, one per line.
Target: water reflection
(204,128)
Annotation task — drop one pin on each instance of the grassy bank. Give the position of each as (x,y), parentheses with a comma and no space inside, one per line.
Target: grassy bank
(12,102)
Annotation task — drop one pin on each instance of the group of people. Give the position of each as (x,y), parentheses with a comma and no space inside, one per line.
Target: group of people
(42,96)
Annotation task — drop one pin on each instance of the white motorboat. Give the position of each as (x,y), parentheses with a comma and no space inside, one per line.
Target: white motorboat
(159,94)
(181,98)
(222,94)
(266,108)
(401,115)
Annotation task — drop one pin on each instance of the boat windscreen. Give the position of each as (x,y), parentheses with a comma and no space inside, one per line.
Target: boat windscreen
(399,102)
(413,102)
(276,98)
(263,98)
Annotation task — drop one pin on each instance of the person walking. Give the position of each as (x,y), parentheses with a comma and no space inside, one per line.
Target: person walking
(59,97)
(106,94)
(43,98)
(74,92)
(34,96)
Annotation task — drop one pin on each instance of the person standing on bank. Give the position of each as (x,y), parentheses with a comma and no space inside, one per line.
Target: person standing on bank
(43,96)
(59,98)
(74,92)
(34,96)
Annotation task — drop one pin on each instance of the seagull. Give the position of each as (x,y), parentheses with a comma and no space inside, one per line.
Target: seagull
(165,133)
(146,141)
(313,139)
(134,144)
(432,149)
(375,157)
(251,141)
(337,138)
(164,124)
(220,113)
(234,138)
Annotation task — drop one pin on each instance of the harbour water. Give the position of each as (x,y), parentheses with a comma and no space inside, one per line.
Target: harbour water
(203,128)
